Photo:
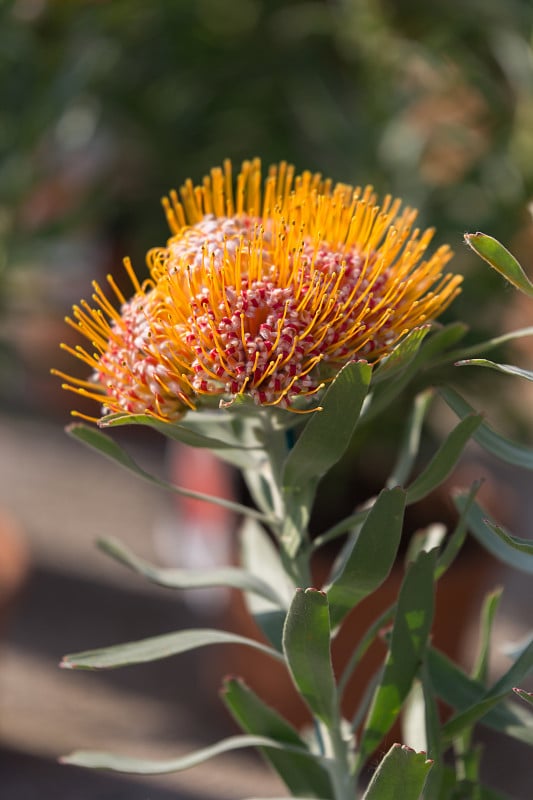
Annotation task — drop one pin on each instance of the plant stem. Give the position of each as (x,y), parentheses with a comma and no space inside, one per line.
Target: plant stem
(337,754)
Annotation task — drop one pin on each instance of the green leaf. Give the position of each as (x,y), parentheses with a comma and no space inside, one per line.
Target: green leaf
(464,789)
(138,766)
(500,259)
(320,445)
(514,675)
(371,558)
(444,460)
(432,727)
(172,430)
(187,578)
(527,697)
(460,692)
(401,355)
(340,528)
(306,643)
(327,434)
(510,452)
(456,540)
(412,624)
(508,369)
(261,559)
(401,773)
(512,551)
(108,447)
(157,647)
(385,394)
(410,444)
(488,344)
(488,612)
(302,774)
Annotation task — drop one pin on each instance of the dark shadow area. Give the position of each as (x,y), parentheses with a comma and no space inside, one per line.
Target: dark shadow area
(59,614)
(26,777)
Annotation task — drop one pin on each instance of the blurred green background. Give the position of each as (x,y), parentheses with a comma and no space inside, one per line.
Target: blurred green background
(106,105)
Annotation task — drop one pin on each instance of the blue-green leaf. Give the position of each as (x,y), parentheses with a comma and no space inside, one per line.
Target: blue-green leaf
(401,355)
(412,624)
(515,552)
(371,558)
(172,430)
(157,647)
(500,259)
(456,539)
(327,434)
(385,393)
(410,444)
(306,643)
(302,774)
(503,448)
(508,369)
(527,697)
(187,578)
(434,740)
(108,447)
(460,691)
(320,445)
(401,774)
(488,612)
(519,670)
(443,462)
(138,766)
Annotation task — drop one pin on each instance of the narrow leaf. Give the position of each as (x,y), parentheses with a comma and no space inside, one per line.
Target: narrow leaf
(178,432)
(137,766)
(327,434)
(444,460)
(302,774)
(108,447)
(460,692)
(412,624)
(508,369)
(523,695)
(157,647)
(372,556)
(171,578)
(411,441)
(508,451)
(500,259)
(521,668)
(512,551)
(306,643)
(432,727)
(488,344)
(401,773)
(401,355)
(522,545)
(385,394)
(488,612)
(456,540)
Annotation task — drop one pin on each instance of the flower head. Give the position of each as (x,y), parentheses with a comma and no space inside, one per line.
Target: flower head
(262,290)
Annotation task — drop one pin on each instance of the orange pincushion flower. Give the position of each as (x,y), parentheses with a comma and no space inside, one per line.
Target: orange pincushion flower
(262,291)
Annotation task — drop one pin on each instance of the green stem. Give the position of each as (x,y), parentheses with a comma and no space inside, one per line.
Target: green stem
(338,760)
